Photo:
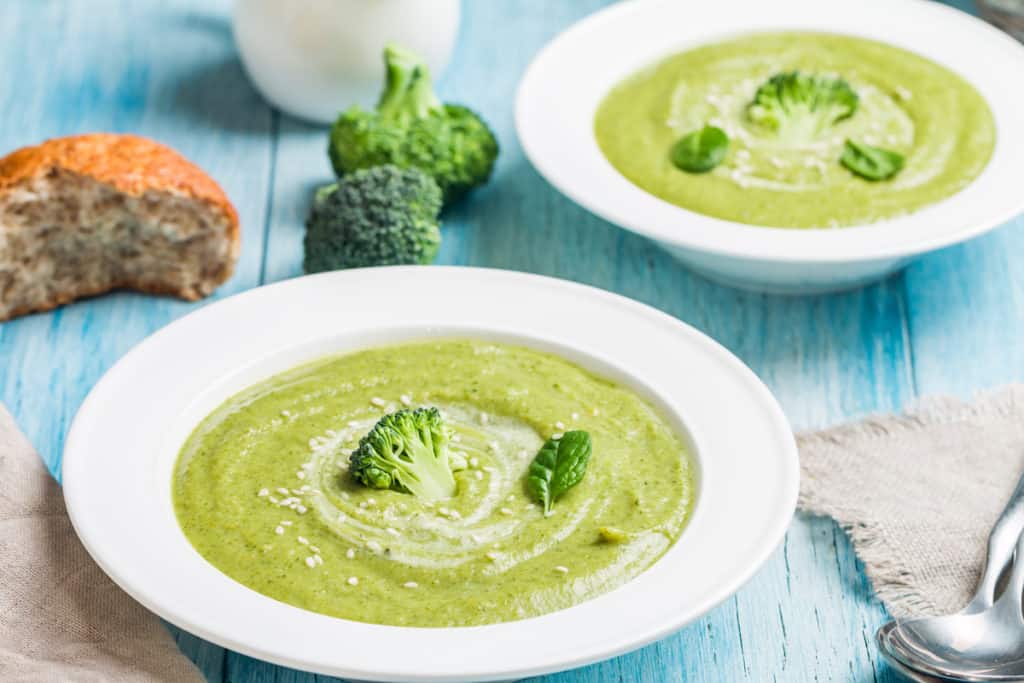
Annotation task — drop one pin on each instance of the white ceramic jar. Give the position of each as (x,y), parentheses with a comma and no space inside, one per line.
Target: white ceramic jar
(314,58)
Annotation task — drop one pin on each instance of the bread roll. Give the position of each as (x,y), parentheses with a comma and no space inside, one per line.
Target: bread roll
(82,215)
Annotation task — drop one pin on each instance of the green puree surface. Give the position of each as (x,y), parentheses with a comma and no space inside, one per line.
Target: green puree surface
(908,104)
(262,492)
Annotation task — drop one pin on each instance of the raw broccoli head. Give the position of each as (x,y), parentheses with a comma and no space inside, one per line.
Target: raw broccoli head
(377,217)
(412,128)
(799,107)
(406,451)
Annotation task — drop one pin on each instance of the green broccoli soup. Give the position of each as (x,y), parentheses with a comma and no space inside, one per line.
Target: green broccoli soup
(294,486)
(800,130)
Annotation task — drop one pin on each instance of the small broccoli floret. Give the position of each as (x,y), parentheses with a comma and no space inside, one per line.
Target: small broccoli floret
(799,107)
(406,451)
(412,128)
(378,217)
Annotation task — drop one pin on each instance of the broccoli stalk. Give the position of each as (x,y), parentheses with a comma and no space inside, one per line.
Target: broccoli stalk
(406,451)
(798,108)
(408,93)
(412,128)
(378,217)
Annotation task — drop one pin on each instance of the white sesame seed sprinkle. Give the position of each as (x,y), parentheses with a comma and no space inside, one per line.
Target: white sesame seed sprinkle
(378,401)
(484,419)
(561,570)
(411,584)
(283,491)
(575,416)
(505,511)
(303,540)
(393,532)
(263,492)
(300,474)
(373,546)
(371,502)
(557,435)
(353,423)
(479,475)
(279,530)
(560,426)
(353,581)
(310,562)
(362,504)
(273,500)
(474,461)
(405,399)
(285,413)
(314,549)
(301,509)
(342,517)
(350,554)
(286,522)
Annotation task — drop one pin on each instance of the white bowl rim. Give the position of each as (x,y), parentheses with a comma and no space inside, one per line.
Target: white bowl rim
(571,161)
(748,488)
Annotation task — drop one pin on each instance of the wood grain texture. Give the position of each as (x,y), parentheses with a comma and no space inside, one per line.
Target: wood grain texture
(169,71)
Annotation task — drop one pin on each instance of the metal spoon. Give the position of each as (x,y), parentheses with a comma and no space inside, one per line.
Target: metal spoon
(985,640)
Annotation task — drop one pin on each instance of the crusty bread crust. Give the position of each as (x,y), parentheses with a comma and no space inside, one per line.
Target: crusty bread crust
(134,167)
(131,163)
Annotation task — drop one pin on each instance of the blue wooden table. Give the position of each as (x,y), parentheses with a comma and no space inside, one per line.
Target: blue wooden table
(169,70)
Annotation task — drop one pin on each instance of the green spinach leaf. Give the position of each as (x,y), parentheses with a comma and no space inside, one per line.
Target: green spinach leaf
(701,150)
(558,466)
(870,163)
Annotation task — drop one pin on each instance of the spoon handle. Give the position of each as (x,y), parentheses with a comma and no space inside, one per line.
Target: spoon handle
(1001,544)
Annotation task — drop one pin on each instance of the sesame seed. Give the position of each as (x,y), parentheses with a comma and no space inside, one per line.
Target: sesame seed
(362,504)
(263,492)
(557,435)
(342,517)
(479,475)
(279,530)
(505,511)
(484,418)
(353,581)
(561,570)
(305,487)
(283,491)
(318,559)
(353,423)
(595,412)
(379,402)
(285,413)
(303,540)
(373,546)
(314,549)
(273,500)
(350,554)
(406,401)
(286,522)
(442,511)
(310,562)
(575,416)
(300,474)
(393,532)
(474,538)
(371,502)
(454,514)
(560,426)
(301,509)
(474,461)
(411,584)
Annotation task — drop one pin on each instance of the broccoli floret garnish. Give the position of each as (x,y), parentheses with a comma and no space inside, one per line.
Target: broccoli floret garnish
(406,451)
(376,217)
(799,107)
(412,128)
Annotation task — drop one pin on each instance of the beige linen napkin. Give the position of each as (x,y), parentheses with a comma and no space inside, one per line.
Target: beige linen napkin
(61,618)
(918,493)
